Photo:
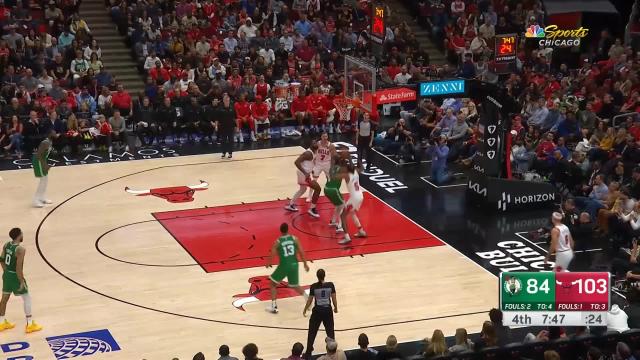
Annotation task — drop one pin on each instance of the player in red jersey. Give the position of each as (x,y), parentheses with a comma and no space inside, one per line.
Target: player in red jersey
(243,113)
(260,114)
(300,110)
(316,105)
(262,88)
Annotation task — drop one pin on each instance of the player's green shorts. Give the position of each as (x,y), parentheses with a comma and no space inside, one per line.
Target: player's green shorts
(38,170)
(334,195)
(289,271)
(11,284)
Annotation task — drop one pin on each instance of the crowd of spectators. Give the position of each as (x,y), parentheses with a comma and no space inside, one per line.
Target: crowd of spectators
(578,126)
(53,80)
(495,341)
(192,52)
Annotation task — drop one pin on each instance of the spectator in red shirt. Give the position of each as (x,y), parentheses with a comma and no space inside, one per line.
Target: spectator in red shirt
(103,138)
(546,147)
(260,114)
(243,113)
(159,74)
(300,110)
(121,100)
(262,88)
(633,128)
(393,69)
(235,80)
(305,53)
(331,110)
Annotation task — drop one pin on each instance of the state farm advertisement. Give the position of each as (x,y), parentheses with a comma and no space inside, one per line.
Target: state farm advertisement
(388,96)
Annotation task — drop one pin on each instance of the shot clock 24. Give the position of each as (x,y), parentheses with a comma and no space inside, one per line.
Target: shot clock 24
(555,299)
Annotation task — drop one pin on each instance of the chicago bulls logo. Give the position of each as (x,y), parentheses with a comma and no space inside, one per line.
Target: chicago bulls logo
(259,291)
(175,194)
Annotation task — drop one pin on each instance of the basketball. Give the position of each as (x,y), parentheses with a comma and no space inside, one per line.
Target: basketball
(356,103)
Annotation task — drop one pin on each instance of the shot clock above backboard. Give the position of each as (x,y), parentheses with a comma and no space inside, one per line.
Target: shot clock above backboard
(547,298)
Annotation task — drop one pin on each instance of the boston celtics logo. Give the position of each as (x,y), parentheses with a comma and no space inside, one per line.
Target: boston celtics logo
(512,285)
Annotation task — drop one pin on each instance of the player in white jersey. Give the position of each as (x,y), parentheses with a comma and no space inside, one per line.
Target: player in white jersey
(323,160)
(324,155)
(561,243)
(304,164)
(352,206)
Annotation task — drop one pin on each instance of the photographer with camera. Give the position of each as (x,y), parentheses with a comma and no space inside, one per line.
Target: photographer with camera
(439,152)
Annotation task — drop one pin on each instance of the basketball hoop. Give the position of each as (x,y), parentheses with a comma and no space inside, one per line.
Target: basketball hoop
(343,106)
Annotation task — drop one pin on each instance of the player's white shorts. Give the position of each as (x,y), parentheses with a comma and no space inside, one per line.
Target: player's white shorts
(563,259)
(354,202)
(321,168)
(302,180)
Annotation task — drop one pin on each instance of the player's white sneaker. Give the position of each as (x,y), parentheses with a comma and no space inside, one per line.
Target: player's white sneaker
(253,136)
(46,201)
(291,207)
(361,233)
(344,241)
(272,309)
(313,212)
(38,204)
(339,229)
(333,224)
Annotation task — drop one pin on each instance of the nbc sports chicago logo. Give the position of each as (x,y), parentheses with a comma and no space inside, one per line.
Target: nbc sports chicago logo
(553,36)
(66,346)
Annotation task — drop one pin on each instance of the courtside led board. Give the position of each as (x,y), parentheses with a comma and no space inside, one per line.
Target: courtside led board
(555,299)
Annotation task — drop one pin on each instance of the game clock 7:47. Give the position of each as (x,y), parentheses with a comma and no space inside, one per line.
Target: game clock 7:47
(527,291)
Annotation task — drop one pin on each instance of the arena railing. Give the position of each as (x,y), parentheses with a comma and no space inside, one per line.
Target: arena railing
(614,121)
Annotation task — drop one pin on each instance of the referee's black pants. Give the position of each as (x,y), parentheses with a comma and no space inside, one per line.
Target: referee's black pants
(364,150)
(319,316)
(226,138)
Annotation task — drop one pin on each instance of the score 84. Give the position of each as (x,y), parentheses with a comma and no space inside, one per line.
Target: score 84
(534,288)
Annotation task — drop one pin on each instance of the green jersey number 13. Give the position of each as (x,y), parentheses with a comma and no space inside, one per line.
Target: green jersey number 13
(289,250)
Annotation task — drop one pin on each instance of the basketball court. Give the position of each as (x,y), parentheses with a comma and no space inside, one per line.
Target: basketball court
(182,269)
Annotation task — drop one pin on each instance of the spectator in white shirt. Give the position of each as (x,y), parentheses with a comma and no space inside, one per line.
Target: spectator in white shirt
(203,47)
(189,20)
(184,81)
(457,8)
(150,60)
(487,29)
(216,68)
(230,42)
(403,77)
(287,41)
(268,55)
(478,44)
(617,319)
(248,29)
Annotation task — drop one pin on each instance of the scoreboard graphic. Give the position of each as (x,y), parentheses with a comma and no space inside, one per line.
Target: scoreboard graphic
(555,299)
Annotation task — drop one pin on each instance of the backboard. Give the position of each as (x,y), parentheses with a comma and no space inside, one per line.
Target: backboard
(360,81)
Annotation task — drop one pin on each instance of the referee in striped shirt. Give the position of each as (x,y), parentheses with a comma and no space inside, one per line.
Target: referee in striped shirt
(324,294)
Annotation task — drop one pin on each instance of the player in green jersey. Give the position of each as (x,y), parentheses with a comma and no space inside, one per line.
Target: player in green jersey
(288,248)
(13,281)
(41,169)
(332,186)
